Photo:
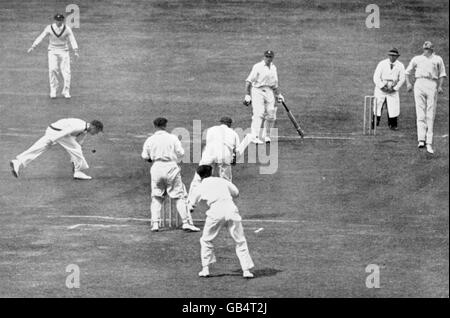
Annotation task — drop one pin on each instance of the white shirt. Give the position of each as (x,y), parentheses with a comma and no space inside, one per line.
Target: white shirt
(162,146)
(221,142)
(431,67)
(262,75)
(58,38)
(218,194)
(384,73)
(69,127)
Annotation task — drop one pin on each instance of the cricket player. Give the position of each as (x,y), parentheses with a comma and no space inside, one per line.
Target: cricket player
(70,134)
(164,150)
(58,53)
(218,194)
(429,73)
(261,88)
(219,152)
(388,77)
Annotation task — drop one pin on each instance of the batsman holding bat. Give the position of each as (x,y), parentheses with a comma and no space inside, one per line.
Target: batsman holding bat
(261,91)
(164,151)
(219,151)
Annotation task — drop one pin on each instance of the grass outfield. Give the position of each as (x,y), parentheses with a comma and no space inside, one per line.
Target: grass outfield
(333,207)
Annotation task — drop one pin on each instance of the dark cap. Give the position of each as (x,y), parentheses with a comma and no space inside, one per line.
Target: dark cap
(204,171)
(269,53)
(97,124)
(160,122)
(59,17)
(428,45)
(394,52)
(226,120)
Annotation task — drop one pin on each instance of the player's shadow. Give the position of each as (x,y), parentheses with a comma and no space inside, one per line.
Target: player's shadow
(262,272)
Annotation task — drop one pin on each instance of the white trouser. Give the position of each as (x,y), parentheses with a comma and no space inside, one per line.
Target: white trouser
(425,96)
(264,110)
(213,224)
(166,179)
(67,142)
(59,61)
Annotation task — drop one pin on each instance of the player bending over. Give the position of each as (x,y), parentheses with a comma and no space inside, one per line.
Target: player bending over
(219,152)
(164,150)
(70,134)
(218,194)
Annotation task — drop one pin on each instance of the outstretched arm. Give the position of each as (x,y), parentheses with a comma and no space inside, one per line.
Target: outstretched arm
(38,39)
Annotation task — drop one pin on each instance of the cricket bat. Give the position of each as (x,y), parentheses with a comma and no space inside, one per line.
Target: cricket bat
(293,120)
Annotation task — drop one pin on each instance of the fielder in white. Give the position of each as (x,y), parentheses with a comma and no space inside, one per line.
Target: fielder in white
(164,150)
(70,134)
(261,88)
(429,73)
(58,53)
(388,77)
(219,152)
(218,194)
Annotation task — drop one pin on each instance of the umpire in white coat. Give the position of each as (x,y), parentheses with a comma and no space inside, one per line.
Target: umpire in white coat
(389,77)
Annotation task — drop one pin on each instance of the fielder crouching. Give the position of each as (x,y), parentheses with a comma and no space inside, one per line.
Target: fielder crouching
(218,194)
(164,150)
(70,134)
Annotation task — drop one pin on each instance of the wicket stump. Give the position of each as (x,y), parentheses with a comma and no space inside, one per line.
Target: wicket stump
(370,107)
(169,214)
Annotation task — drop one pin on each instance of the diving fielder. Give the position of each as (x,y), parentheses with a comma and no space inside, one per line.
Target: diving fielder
(218,194)
(70,134)
(219,151)
(429,73)
(164,150)
(388,77)
(261,88)
(58,53)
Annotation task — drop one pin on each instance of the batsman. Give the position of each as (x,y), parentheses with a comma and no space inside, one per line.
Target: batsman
(261,91)
(164,151)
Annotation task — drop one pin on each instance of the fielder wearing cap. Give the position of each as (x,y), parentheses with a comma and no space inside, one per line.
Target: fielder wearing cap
(261,88)
(218,194)
(429,72)
(70,134)
(58,54)
(220,151)
(388,77)
(164,150)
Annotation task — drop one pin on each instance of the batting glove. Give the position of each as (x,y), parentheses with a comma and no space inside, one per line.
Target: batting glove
(280,98)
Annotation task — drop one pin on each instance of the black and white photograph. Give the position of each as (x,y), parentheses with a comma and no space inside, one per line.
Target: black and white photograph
(224,149)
